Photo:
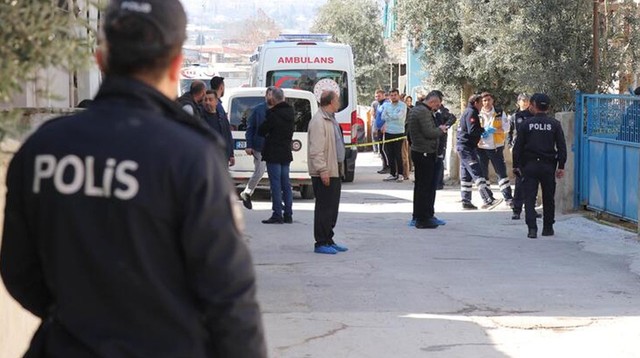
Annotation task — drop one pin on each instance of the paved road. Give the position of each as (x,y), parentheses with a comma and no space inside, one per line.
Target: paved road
(476,287)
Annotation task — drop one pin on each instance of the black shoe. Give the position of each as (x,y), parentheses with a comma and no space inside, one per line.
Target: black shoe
(272,220)
(288,219)
(533,233)
(383,171)
(538,215)
(547,231)
(246,200)
(492,204)
(427,224)
(515,216)
(468,206)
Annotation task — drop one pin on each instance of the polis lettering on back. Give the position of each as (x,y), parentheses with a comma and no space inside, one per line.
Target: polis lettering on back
(83,175)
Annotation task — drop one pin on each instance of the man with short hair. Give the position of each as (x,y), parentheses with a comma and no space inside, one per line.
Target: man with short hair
(424,146)
(119,230)
(325,157)
(469,133)
(217,84)
(255,144)
(221,126)
(376,133)
(277,130)
(191,101)
(491,145)
(393,117)
(539,157)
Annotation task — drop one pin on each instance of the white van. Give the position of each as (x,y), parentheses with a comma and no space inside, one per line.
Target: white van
(309,62)
(239,103)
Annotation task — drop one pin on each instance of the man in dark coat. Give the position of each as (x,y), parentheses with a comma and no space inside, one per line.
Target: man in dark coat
(120,230)
(191,101)
(218,123)
(277,130)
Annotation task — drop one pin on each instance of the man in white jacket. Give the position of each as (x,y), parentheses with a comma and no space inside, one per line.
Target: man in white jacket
(491,145)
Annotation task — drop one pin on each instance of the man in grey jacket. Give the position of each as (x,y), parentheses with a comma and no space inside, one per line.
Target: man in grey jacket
(424,146)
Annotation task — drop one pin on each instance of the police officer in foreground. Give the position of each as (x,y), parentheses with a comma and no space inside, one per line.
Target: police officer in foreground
(539,155)
(119,228)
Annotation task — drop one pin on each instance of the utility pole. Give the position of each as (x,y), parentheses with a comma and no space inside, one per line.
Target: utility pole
(596,43)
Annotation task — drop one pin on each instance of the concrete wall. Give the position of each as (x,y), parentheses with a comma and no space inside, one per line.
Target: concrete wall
(565,186)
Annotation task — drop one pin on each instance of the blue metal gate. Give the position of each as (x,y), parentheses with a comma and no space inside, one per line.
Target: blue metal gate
(607,154)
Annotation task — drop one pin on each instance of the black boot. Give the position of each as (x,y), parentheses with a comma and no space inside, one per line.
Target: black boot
(547,231)
(515,216)
(533,233)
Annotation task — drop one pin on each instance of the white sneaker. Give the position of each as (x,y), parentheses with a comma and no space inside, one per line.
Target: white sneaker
(390,178)
(401,178)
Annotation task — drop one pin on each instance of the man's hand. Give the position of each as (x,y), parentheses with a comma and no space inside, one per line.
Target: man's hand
(326,180)
(232,161)
(560,173)
(249,151)
(444,128)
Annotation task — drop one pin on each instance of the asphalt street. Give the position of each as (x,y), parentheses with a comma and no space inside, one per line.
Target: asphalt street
(476,287)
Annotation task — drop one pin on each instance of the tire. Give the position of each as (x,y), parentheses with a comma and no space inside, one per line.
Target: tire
(349,176)
(307,192)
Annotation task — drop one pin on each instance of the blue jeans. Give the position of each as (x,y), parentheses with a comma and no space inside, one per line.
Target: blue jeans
(280,189)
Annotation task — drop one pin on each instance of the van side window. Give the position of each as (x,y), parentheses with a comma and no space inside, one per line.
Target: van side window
(302,113)
(241,109)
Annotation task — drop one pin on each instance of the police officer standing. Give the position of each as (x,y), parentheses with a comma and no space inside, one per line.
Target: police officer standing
(119,228)
(539,156)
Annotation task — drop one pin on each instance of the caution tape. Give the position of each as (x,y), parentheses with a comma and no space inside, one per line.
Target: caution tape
(346,145)
(374,143)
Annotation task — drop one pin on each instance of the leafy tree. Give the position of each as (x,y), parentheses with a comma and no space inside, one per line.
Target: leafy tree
(358,23)
(257,29)
(508,47)
(39,34)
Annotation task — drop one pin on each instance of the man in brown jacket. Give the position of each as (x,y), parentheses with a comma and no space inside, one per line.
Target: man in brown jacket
(325,157)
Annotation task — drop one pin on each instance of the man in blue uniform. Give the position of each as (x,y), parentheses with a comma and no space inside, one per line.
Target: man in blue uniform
(469,133)
(119,228)
(539,155)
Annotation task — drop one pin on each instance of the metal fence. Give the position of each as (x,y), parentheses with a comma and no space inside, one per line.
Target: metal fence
(608,154)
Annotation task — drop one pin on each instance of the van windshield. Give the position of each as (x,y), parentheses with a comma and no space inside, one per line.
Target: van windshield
(242,107)
(308,79)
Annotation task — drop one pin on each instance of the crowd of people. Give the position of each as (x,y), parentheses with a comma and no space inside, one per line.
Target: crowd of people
(482,135)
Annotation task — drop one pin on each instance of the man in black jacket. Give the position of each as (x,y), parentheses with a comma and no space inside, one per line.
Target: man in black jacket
(213,118)
(277,130)
(424,148)
(469,133)
(119,230)
(539,157)
(191,101)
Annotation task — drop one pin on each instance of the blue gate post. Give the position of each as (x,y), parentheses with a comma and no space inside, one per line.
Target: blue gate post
(577,151)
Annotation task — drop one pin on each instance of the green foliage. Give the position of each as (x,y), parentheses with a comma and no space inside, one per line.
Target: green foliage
(358,23)
(39,34)
(508,47)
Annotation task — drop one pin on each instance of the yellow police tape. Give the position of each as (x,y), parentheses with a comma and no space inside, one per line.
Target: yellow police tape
(348,145)
(378,142)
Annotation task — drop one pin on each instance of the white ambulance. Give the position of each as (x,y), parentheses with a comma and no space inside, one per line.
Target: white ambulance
(239,104)
(309,62)
(193,72)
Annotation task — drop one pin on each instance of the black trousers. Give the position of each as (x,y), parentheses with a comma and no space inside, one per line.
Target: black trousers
(518,196)
(536,172)
(424,189)
(325,214)
(439,170)
(393,151)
